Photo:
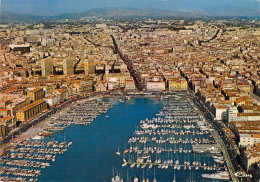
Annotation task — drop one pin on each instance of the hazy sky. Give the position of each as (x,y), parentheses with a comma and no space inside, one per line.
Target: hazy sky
(54,7)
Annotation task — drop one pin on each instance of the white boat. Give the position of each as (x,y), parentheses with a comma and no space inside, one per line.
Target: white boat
(118,153)
(218,175)
(145,157)
(37,137)
(132,165)
(175,166)
(143,166)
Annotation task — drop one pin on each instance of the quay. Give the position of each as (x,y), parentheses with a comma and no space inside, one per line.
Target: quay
(219,138)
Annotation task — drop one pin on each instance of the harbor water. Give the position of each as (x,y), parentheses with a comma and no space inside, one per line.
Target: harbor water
(92,157)
(136,139)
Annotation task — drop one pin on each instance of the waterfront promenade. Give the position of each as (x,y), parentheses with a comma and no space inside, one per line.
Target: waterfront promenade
(219,137)
(31,129)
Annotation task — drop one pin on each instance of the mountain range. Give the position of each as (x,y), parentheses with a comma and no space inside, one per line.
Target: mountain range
(111,13)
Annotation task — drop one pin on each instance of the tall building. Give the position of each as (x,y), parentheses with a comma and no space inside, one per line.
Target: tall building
(232,113)
(68,66)
(46,67)
(89,67)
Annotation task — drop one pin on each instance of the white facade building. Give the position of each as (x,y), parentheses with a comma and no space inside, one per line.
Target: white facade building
(220,112)
(249,139)
(232,113)
(155,84)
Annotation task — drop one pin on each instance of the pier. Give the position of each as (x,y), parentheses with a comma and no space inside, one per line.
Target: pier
(28,158)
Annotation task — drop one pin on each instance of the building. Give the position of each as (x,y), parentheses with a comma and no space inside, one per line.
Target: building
(116,80)
(130,85)
(249,108)
(90,67)
(35,94)
(52,100)
(248,117)
(101,25)
(100,86)
(155,84)
(249,139)
(57,96)
(245,127)
(46,67)
(220,112)
(68,66)
(4,103)
(31,110)
(177,84)
(232,113)
(20,48)
(4,113)
(84,88)
(63,94)
(13,102)
(251,156)
(6,125)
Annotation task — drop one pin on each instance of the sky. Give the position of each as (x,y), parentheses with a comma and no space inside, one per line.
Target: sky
(56,7)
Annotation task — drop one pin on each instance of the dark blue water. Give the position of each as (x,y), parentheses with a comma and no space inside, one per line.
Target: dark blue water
(92,154)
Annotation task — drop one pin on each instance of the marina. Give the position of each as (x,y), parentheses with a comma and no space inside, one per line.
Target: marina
(81,113)
(29,157)
(98,142)
(138,138)
(178,139)
(26,159)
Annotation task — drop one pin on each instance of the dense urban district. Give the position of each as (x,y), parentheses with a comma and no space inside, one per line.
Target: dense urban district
(46,65)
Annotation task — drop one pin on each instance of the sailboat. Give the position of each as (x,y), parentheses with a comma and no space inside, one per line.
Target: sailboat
(143,177)
(117,178)
(118,153)
(154,179)
(174,179)
(191,177)
(113,178)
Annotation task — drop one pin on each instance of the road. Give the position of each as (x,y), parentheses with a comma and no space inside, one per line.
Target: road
(220,138)
(129,65)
